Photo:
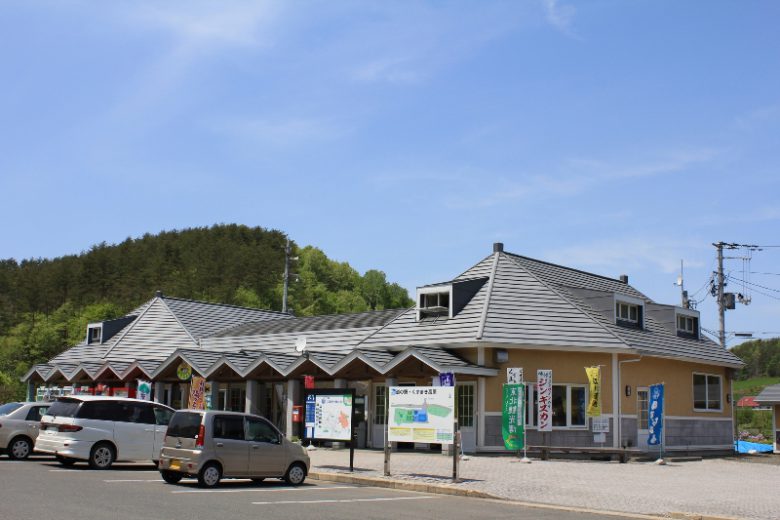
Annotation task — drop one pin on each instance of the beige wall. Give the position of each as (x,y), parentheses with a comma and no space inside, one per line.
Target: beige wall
(777,416)
(569,368)
(677,377)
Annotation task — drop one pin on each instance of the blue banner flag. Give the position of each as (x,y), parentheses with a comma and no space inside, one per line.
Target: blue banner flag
(655,415)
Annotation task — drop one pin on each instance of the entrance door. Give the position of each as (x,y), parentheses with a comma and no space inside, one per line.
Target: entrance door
(378,417)
(464,401)
(642,432)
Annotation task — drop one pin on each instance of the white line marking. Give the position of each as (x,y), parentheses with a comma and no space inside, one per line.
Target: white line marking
(342,501)
(255,490)
(138,480)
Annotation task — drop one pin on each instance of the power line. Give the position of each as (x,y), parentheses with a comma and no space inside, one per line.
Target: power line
(757,272)
(753,284)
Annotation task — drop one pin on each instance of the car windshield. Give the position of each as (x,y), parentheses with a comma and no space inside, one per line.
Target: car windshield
(7,408)
(184,424)
(64,408)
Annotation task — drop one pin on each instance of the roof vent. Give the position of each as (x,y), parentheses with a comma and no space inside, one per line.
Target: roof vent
(158,294)
(624,278)
(498,247)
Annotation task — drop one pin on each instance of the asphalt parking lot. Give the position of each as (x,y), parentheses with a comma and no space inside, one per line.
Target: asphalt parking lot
(40,488)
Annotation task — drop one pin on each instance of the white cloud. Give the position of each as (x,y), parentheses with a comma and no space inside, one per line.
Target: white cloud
(210,24)
(560,16)
(283,132)
(573,176)
(613,255)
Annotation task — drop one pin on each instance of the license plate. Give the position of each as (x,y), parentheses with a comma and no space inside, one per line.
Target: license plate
(175,465)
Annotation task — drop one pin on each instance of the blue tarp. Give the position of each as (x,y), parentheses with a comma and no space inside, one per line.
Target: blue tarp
(747,447)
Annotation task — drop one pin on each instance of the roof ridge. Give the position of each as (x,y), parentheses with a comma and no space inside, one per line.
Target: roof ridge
(230,305)
(567,299)
(568,268)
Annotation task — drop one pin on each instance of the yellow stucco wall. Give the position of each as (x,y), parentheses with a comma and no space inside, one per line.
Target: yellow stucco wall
(569,368)
(677,377)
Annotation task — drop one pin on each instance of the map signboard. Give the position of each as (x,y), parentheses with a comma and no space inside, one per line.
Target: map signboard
(329,413)
(421,414)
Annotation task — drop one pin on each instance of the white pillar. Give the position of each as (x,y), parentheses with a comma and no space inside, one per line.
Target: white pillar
(616,415)
(293,389)
(480,412)
(250,401)
(159,390)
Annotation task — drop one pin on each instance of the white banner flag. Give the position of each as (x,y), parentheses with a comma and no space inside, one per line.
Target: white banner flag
(144,391)
(544,391)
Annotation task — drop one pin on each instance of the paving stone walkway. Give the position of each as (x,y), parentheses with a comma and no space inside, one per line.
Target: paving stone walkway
(717,487)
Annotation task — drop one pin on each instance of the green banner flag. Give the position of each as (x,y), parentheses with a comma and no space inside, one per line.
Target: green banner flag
(512,424)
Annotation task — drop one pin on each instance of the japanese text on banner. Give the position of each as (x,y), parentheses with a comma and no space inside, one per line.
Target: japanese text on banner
(655,415)
(544,390)
(594,403)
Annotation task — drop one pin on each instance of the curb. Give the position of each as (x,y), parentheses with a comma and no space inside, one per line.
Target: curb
(697,516)
(472,493)
(404,486)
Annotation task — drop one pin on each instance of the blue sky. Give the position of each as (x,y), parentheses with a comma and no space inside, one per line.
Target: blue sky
(609,135)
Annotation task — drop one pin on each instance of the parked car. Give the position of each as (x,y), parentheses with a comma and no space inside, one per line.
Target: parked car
(212,445)
(19,425)
(101,430)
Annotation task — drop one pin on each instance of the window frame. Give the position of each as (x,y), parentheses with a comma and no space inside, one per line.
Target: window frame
(707,377)
(424,312)
(531,411)
(380,404)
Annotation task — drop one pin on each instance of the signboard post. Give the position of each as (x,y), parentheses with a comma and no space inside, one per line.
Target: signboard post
(330,416)
(423,414)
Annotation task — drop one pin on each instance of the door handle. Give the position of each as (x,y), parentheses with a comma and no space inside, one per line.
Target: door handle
(149,430)
(220,445)
(255,446)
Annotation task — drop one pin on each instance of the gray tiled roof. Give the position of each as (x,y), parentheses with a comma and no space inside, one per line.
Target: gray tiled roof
(202,319)
(357,320)
(769,395)
(653,340)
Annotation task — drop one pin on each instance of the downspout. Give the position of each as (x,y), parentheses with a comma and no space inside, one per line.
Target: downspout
(617,442)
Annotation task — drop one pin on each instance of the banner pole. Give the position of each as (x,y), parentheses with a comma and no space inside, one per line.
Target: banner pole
(525,458)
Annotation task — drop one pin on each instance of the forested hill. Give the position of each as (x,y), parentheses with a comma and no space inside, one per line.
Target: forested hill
(761,357)
(45,304)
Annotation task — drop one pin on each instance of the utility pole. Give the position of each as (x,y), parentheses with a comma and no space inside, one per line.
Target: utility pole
(286,274)
(721,305)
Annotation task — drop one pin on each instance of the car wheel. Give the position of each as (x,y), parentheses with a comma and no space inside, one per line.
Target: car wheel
(209,476)
(296,474)
(65,461)
(102,456)
(171,477)
(20,448)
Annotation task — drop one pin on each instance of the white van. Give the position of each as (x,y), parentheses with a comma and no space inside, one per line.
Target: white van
(101,430)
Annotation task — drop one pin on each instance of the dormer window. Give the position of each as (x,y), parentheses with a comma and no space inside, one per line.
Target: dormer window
(93,334)
(434,303)
(629,312)
(688,326)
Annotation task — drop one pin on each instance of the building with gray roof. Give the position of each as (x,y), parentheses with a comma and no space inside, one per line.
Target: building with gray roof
(506,311)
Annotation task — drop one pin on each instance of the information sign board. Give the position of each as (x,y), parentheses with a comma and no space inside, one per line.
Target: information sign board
(421,414)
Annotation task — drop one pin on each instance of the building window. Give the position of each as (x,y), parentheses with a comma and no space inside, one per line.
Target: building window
(464,396)
(237,399)
(706,392)
(434,303)
(94,335)
(628,314)
(380,404)
(568,405)
(641,407)
(687,326)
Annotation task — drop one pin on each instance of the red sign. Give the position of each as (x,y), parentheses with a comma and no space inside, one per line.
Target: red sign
(308,382)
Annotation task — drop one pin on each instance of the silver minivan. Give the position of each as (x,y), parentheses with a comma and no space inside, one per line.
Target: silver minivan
(101,430)
(212,445)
